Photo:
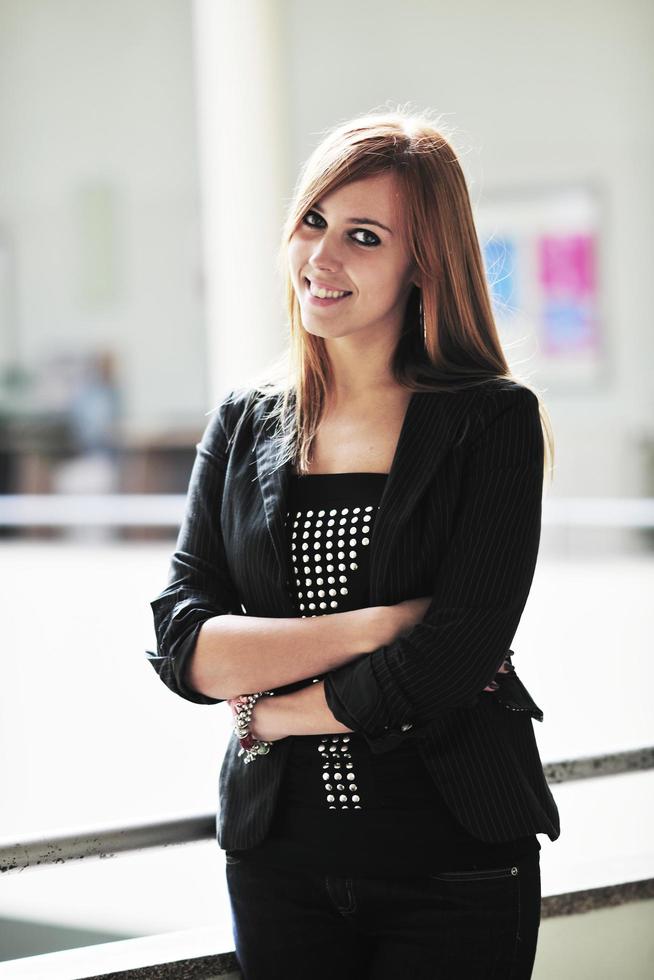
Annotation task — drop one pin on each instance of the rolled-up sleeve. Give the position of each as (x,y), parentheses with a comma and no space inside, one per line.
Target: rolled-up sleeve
(199,584)
(480,589)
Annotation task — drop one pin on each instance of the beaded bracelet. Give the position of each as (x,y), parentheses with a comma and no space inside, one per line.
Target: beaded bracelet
(251,747)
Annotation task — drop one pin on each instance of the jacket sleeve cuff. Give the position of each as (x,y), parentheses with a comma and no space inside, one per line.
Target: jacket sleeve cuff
(180,663)
(177,624)
(354,684)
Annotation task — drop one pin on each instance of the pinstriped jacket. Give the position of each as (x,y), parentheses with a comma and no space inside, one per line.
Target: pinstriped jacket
(460,520)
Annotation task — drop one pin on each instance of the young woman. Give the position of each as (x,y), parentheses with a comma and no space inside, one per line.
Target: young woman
(358,546)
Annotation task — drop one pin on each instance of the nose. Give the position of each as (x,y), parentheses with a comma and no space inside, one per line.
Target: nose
(325,254)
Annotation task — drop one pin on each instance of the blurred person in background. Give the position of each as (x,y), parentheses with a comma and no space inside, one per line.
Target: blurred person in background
(359,541)
(93,412)
(95,407)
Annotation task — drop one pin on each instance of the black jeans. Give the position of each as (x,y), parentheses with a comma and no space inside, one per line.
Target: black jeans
(455,925)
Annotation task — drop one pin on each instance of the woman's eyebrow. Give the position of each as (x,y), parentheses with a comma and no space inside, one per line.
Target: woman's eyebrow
(359,221)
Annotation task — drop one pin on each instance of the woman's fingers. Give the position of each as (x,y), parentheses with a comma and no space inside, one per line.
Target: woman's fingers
(503,669)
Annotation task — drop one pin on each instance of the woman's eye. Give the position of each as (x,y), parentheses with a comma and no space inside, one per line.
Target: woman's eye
(311,214)
(364,231)
(358,231)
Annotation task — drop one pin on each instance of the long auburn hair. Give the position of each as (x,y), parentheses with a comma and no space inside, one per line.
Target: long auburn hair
(449,339)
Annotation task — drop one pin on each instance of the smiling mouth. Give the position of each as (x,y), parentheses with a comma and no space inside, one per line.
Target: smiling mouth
(326,299)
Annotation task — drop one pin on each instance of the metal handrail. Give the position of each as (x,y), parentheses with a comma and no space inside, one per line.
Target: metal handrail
(59,848)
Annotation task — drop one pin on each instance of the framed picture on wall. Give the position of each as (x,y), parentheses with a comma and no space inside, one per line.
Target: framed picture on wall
(8,323)
(542,248)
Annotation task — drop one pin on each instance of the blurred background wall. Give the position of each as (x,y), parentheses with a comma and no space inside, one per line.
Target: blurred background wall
(100,196)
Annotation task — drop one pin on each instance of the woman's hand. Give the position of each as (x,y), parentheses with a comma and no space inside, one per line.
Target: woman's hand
(264,721)
(504,668)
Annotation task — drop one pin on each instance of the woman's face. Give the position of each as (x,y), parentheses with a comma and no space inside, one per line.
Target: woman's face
(338,244)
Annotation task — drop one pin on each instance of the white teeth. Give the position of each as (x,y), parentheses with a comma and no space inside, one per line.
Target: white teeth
(325,293)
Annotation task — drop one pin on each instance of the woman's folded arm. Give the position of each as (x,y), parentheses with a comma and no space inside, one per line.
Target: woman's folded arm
(480,590)
(240,654)
(207,649)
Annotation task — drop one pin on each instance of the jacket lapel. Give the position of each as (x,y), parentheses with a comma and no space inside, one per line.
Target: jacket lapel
(431,423)
(426,435)
(273,483)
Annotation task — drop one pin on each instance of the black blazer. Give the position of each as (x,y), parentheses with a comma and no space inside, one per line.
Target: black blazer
(460,520)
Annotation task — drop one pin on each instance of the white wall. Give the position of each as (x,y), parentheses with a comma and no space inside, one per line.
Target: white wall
(103,91)
(538,93)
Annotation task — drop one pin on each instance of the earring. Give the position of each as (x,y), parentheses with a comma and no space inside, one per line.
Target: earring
(422,318)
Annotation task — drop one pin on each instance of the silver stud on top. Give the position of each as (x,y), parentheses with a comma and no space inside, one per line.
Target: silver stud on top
(324,548)
(311,542)
(333,776)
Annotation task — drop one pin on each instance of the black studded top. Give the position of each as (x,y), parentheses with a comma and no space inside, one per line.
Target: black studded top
(341,807)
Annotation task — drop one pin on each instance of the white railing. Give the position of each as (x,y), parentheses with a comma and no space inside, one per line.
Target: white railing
(166,510)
